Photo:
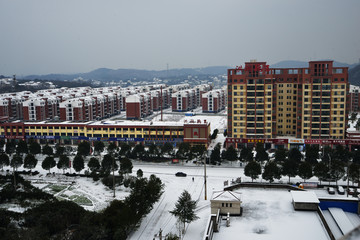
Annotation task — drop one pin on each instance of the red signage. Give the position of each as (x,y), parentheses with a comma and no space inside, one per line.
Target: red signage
(249,68)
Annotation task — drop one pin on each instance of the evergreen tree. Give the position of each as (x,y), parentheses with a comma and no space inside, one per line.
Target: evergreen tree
(30,161)
(246,154)
(4,160)
(183,151)
(295,155)
(47,150)
(354,173)
(231,154)
(125,149)
(261,154)
(289,168)
(215,156)
(138,151)
(305,170)
(10,147)
(99,147)
(311,154)
(271,172)
(167,148)
(253,170)
(112,148)
(63,162)
(48,163)
(213,136)
(59,150)
(185,209)
(108,162)
(22,147)
(125,166)
(280,155)
(321,171)
(78,163)
(337,170)
(356,156)
(83,148)
(139,173)
(94,164)
(34,148)
(153,151)
(16,162)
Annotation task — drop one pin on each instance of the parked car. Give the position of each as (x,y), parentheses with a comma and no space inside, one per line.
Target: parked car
(180,174)
(351,191)
(331,190)
(340,190)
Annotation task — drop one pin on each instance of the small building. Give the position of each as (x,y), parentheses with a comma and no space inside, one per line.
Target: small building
(226,202)
(303,200)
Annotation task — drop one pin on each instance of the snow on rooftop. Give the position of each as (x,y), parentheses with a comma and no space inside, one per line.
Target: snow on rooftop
(304,197)
(226,196)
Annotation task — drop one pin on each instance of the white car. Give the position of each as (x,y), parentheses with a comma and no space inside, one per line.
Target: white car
(340,190)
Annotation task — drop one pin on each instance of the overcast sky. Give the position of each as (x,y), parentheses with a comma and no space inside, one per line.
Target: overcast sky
(71,36)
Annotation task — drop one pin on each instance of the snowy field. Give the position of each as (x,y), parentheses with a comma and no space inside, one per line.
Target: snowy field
(267,214)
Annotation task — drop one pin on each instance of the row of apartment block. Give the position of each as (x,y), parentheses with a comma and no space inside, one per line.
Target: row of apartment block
(306,103)
(85,104)
(189,99)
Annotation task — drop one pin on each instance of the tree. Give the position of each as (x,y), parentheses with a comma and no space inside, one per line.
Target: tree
(167,148)
(125,166)
(59,150)
(139,173)
(341,154)
(48,163)
(16,162)
(356,156)
(78,163)
(261,154)
(47,150)
(183,151)
(246,154)
(153,150)
(94,164)
(198,150)
(4,160)
(311,154)
(10,147)
(305,170)
(231,154)
(253,170)
(215,155)
(22,147)
(280,155)
(34,148)
(321,171)
(63,162)
(337,170)
(213,136)
(99,147)
(112,147)
(108,162)
(138,150)
(185,209)
(271,172)
(289,168)
(125,149)
(354,173)
(83,148)
(30,161)
(295,155)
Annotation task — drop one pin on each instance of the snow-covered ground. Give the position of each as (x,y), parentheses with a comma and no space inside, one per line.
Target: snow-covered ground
(268,214)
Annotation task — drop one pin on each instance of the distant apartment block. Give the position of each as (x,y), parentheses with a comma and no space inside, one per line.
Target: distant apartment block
(354,98)
(138,106)
(213,101)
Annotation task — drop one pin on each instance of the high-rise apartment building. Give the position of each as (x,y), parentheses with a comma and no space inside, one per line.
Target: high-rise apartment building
(307,103)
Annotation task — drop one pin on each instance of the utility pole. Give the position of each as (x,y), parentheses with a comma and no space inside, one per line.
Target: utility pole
(161,103)
(113,167)
(205,176)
